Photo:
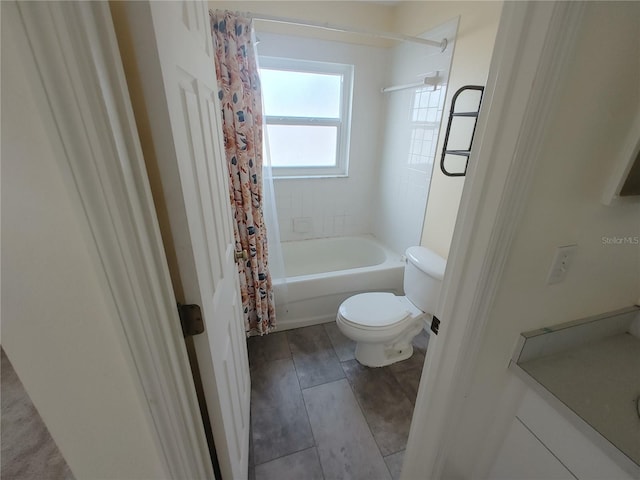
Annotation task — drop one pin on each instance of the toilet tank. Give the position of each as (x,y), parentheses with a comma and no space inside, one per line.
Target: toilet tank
(423,277)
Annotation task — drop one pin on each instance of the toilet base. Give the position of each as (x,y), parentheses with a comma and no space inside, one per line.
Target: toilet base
(381,355)
(379,347)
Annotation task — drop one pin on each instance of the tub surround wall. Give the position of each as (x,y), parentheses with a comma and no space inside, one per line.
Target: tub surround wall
(330,207)
(327,207)
(410,138)
(470,66)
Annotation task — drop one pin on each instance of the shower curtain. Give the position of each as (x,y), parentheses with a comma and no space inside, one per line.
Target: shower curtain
(241,100)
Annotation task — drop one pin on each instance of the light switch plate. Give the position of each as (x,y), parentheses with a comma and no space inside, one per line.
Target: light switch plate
(561,263)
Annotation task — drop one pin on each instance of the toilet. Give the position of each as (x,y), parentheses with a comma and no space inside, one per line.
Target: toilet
(383,324)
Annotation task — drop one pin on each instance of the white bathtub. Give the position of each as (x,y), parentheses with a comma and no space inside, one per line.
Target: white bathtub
(322,273)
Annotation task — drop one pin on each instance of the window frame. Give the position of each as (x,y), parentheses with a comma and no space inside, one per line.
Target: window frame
(342,124)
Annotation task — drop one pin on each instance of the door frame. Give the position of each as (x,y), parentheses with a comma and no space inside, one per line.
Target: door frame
(532,48)
(77,61)
(74,64)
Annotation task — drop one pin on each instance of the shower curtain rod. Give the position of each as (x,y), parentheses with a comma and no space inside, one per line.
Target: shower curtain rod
(340,28)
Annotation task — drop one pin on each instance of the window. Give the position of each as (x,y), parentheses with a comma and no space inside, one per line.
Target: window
(307,109)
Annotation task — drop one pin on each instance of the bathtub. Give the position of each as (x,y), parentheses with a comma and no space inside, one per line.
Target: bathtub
(322,273)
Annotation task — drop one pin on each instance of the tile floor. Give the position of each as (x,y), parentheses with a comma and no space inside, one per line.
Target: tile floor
(28,452)
(316,413)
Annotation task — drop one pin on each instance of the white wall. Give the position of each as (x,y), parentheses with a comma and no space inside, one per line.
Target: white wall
(336,206)
(410,139)
(366,15)
(58,322)
(472,55)
(598,99)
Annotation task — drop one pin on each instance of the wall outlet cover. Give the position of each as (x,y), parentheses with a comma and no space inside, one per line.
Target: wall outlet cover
(561,263)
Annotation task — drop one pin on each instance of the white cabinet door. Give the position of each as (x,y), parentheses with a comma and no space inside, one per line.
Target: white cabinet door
(174,56)
(542,444)
(574,448)
(523,456)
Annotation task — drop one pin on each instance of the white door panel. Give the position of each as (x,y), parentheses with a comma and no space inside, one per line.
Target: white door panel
(187,136)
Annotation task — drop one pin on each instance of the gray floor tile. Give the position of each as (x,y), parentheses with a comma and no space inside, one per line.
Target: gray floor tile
(278,417)
(394,463)
(300,465)
(252,462)
(420,343)
(28,450)
(387,409)
(344,347)
(267,348)
(313,355)
(345,445)
(408,372)
(409,381)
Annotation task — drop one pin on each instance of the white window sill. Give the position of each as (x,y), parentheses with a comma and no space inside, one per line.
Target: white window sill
(306,177)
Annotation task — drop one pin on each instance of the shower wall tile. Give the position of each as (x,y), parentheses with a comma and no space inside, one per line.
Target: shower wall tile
(285,228)
(410,142)
(338,224)
(330,211)
(328,225)
(352,224)
(284,201)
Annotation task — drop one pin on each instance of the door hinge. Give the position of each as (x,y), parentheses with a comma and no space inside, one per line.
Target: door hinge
(435,324)
(191,319)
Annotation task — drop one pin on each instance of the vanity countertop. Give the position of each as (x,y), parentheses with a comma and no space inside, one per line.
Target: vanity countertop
(600,382)
(589,369)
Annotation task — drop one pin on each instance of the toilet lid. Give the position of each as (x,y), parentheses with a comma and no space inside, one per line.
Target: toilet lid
(373,310)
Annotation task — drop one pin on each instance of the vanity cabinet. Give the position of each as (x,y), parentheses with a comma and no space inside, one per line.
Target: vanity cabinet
(541,444)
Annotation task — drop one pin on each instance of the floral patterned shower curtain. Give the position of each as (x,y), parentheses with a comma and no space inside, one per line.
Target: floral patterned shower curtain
(241,99)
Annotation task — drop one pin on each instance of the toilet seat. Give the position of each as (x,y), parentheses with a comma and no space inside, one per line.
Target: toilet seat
(375,310)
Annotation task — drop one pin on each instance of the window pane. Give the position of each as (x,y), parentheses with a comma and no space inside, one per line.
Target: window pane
(302,145)
(300,94)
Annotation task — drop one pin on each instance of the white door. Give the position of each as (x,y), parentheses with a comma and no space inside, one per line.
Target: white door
(174,55)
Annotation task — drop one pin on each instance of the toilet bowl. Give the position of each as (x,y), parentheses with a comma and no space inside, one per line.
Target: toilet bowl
(383,324)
